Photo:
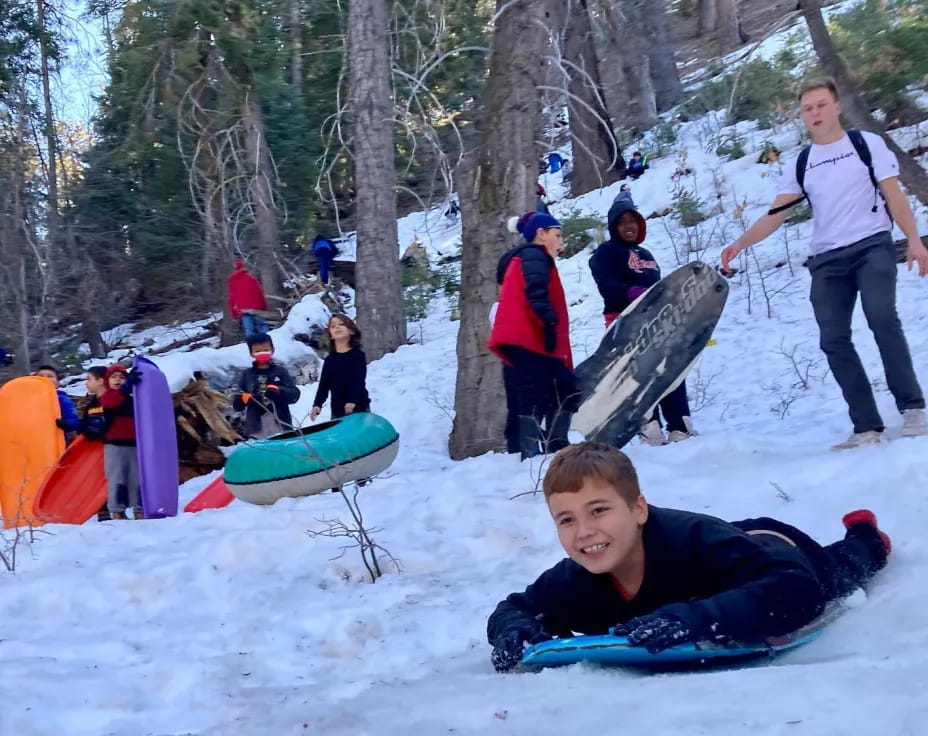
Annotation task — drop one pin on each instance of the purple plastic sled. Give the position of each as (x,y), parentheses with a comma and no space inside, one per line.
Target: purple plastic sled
(157,442)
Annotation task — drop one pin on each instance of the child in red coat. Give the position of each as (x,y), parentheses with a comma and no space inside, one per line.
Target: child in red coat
(530,333)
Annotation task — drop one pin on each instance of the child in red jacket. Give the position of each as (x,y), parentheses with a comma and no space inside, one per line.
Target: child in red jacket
(245,293)
(120,461)
(530,333)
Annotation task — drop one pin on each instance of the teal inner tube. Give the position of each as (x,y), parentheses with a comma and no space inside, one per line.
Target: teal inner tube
(312,459)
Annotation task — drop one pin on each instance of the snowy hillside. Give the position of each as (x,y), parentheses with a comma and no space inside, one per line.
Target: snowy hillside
(235,621)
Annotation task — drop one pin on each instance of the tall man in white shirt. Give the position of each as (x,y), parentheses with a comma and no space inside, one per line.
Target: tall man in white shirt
(852,253)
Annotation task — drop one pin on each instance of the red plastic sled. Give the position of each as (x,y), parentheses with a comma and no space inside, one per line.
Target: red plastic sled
(215,496)
(75,487)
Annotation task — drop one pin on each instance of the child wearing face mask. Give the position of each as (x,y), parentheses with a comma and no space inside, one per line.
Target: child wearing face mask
(266,391)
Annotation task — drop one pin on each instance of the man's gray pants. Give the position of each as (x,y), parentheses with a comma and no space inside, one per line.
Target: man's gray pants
(868,268)
(121,466)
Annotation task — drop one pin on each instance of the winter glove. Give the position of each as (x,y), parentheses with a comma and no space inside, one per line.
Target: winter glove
(550,336)
(59,423)
(510,645)
(246,397)
(635,291)
(133,379)
(655,632)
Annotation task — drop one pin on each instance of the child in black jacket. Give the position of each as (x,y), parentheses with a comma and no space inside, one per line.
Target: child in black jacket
(623,271)
(344,371)
(266,391)
(666,577)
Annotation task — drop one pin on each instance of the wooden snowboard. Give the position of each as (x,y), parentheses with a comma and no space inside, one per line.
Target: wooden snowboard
(646,352)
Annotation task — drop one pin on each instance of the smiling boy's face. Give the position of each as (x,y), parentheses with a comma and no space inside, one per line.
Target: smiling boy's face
(597,528)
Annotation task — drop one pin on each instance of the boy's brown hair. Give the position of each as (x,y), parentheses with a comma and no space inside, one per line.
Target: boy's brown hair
(576,463)
(819,83)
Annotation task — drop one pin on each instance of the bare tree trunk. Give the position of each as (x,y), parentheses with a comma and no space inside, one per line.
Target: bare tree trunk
(729,35)
(261,190)
(379,295)
(708,18)
(498,181)
(598,159)
(856,111)
(296,45)
(668,89)
(628,47)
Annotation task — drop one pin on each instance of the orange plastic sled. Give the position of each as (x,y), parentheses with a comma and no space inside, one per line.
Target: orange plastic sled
(30,445)
(75,488)
(215,496)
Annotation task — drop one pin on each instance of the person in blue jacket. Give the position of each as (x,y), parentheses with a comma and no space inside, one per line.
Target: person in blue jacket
(69,422)
(665,577)
(325,251)
(623,270)
(637,165)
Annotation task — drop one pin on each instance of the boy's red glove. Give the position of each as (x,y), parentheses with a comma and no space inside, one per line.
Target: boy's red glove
(273,387)
(246,397)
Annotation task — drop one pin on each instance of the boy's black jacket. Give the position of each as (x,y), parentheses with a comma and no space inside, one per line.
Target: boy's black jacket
(721,582)
(255,381)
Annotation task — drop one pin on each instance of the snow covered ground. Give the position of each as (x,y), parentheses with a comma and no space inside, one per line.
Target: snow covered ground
(237,622)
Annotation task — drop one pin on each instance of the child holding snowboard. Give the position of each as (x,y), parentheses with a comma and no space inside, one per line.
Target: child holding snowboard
(344,371)
(266,390)
(623,271)
(93,424)
(120,461)
(68,422)
(665,577)
(530,333)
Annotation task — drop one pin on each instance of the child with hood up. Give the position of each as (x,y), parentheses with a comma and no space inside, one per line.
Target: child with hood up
(624,270)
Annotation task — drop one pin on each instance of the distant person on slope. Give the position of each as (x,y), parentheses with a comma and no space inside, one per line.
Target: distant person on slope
(531,333)
(325,251)
(637,166)
(540,204)
(5,358)
(68,422)
(623,271)
(624,195)
(664,577)
(344,371)
(245,293)
(266,390)
(851,182)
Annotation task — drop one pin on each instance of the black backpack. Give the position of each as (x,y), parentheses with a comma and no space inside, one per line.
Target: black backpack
(863,151)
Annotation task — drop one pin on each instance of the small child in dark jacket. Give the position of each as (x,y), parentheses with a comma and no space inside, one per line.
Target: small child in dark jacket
(623,271)
(120,461)
(266,390)
(665,577)
(93,424)
(344,371)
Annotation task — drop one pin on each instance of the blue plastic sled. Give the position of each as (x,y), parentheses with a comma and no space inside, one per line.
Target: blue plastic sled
(615,651)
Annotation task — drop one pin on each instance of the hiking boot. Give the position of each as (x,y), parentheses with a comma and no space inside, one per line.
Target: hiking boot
(688,423)
(914,423)
(118,515)
(138,514)
(859,439)
(865,516)
(678,436)
(652,434)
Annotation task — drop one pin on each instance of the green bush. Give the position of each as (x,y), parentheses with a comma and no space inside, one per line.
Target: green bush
(884,46)
(419,286)
(687,207)
(731,146)
(576,227)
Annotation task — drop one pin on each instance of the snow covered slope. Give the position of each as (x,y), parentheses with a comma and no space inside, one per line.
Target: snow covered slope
(237,622)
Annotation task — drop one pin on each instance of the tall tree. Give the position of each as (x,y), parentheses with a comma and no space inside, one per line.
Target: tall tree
(498,181)
(728,26)
(379,296)
(708,17)
(668,88)
(856,111)
(597,157)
